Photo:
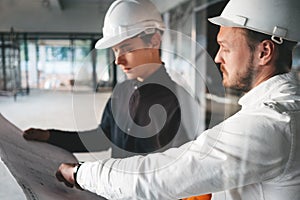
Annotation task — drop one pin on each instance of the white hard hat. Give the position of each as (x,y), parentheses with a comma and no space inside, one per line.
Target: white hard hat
(126,19)
(278,18)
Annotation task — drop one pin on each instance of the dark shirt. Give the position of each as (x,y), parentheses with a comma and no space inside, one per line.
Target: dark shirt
(139,117)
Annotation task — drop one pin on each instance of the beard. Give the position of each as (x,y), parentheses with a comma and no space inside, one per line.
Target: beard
(245,80)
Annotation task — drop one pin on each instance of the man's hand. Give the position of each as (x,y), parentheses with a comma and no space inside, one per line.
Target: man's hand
(36,134)
(65,173)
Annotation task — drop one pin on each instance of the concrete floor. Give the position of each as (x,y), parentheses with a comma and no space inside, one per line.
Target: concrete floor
(56,109)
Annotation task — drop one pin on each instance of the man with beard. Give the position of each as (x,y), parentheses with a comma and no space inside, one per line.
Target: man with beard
(252,155)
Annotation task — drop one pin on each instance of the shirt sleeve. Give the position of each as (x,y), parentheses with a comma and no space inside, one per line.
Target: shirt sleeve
(244,149)
(84,141)
(68,140)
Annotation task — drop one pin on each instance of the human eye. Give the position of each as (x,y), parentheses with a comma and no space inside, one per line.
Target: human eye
(128,49)
(225,49)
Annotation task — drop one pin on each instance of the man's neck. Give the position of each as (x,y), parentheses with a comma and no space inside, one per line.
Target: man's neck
(153,67)
(267,74)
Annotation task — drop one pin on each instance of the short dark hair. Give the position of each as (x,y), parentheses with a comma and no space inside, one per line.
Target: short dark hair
(285,50)
(147,37)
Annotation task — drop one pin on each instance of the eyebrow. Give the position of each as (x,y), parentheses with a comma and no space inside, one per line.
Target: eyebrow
(222,42)
(124,45)
(121,46)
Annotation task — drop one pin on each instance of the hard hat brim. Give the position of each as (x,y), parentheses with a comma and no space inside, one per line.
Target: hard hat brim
(105,43)
(110,41)
(221,21)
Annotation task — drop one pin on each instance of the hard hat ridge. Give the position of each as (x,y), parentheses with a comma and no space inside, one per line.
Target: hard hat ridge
(277,18)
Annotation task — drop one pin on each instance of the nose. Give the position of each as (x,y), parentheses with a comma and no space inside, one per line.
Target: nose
(120,59)
(218,57)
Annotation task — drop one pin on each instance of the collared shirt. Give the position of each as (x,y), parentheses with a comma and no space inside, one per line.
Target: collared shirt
(255,154)
(131,125)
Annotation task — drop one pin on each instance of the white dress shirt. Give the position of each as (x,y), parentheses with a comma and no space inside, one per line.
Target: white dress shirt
(255,154)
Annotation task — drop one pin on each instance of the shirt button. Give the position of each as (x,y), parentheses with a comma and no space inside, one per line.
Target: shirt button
(135,87)
(128,130)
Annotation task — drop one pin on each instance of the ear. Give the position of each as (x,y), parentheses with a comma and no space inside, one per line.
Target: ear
(156,40)
(266,52)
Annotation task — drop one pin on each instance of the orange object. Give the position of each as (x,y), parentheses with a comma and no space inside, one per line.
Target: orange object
(202,197)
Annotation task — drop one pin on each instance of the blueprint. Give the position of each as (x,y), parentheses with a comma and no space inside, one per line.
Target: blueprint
(32,165)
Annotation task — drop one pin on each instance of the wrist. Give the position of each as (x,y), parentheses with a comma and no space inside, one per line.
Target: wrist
(75,172)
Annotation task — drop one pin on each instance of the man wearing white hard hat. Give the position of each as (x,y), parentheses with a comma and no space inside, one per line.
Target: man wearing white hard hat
(255,154)
(133,28)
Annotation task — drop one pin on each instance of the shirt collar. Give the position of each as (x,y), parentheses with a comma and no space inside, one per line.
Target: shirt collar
(266,89)
(159,76)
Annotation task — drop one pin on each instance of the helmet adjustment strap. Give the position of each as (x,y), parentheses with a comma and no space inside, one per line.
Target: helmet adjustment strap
(278,34)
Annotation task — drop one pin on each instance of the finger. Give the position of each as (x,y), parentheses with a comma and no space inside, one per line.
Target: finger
(60,178)
(30,129)
(29,133)
(36,134)
(26,135)
(68,184)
